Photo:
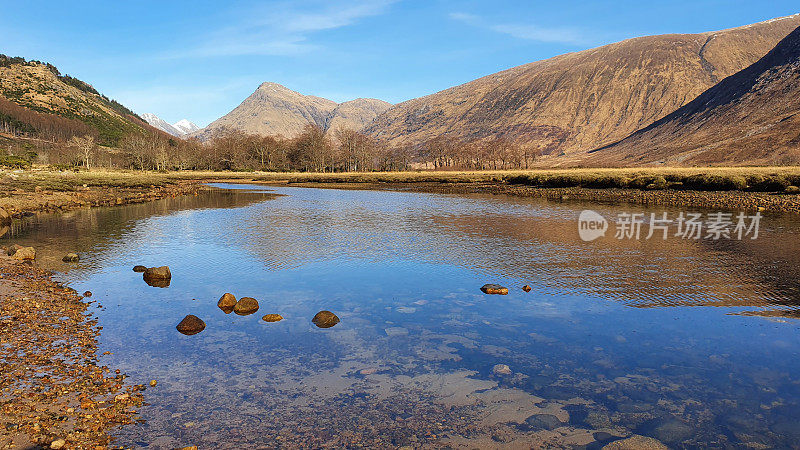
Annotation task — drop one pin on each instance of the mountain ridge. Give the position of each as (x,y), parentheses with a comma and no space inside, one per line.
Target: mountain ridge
(751,117)
(274,109)
(576,102)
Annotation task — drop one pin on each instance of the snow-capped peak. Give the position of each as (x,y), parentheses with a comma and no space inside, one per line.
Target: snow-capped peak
(162,124)
(185,126)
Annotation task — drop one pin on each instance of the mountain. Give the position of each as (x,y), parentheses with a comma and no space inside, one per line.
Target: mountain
(185,126)
(277,110)
(37,92)
(751,117)
(356,114)
(177,129)
(162,124)
(580,101)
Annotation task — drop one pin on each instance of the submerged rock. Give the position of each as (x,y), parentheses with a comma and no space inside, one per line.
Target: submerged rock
(25,254)
(191,325)
(272,318)
(246,306)
(494,289)
(636,442)
(71,257)
(87,294)
(538,422)
(13,249)
(325,319)
(526,288)
(139,269)
(501,369)
(226,303)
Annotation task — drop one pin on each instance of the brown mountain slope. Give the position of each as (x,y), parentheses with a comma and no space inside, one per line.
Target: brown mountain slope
(356,114)
(40,87)
(580,101)
(274,110)
(752,117)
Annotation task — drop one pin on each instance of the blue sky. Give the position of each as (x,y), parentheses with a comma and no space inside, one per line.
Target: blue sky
(199,59)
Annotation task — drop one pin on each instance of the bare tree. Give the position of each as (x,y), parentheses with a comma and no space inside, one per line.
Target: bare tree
(85,146)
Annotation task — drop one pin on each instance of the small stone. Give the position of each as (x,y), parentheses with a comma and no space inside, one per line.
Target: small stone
(526,288)
(122,397)
(5,217)
(501,369)
(246,306)
(153,383)
(25,254)
(191,325)
(87,294)
(158,273)
(325,319)
(139,269)
(226,303)
(71,257)
(272,318)
(494,289)
(57,444)
(538,422)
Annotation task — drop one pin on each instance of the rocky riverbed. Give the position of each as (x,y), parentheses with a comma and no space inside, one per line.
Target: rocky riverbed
(54,392)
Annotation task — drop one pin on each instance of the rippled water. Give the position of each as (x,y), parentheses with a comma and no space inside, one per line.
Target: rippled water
(690,342)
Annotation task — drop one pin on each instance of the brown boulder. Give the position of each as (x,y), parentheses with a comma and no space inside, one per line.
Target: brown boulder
(526,288)
(494,289)
(227,303)
(13,249)
(636,442)
(5,217)
(272,318)
(71,257)
(325,319)
(246,306)
(25,254)
(139,269)
(191,325)
(158,273)
(157,276)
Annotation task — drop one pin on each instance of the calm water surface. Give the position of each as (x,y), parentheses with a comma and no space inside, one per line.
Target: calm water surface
(693,343)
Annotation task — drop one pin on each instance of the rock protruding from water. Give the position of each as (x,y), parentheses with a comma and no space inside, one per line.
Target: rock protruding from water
(526,288)
(157,276)
(226,303)
(246,306)
(139,269)
(24,253)
(272,318)
(325,319)
(158,273)
(71,257)
(191,325)
(494,289)
(636,442)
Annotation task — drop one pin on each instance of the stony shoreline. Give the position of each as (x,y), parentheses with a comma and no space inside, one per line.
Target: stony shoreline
(53,391)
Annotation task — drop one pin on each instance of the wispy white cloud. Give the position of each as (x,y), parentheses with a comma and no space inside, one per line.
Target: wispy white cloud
(562,35)
(282,29)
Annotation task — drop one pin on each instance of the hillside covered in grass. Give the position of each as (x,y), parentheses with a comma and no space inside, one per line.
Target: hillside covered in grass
(37,101)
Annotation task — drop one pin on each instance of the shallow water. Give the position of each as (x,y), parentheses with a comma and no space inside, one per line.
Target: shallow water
(691,342)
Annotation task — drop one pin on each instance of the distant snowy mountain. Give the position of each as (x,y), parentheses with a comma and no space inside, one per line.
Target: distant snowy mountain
(162,124)
(185,126)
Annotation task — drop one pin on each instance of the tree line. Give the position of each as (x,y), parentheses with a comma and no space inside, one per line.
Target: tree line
(69,143)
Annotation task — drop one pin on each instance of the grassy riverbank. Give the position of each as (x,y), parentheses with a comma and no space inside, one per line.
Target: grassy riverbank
(768,188)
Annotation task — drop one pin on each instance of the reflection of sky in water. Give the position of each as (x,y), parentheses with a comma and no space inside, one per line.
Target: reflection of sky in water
(402,272)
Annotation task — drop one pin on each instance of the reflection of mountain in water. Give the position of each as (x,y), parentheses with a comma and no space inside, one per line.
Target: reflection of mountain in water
(518,241)
(528,240)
